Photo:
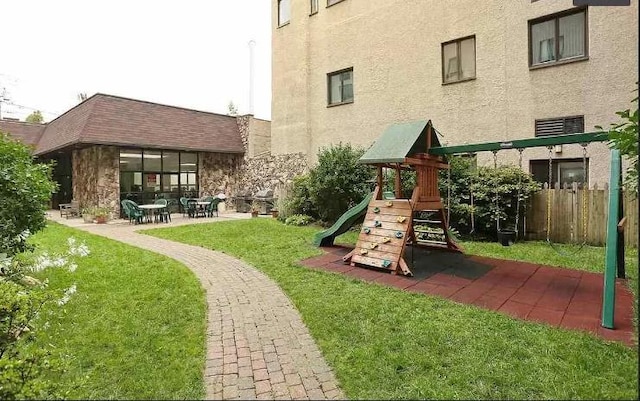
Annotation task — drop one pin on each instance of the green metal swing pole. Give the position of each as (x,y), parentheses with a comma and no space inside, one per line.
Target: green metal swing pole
(542,141)
(611,252)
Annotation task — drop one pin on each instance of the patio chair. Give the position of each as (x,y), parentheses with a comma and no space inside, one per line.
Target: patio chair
(183,205)
(163,214)
(192,208)
(131,210)
(213,207)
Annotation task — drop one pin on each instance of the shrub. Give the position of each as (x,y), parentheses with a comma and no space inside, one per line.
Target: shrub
(338,182)
(25,187)
(298,199)
(298,220)
(495,192)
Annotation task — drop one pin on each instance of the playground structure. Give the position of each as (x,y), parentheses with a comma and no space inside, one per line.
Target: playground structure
(392,224)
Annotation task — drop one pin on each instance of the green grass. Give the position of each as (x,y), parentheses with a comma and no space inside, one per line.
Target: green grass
(388,344)
(135,328)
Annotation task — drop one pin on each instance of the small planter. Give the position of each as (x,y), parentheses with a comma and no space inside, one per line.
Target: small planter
(274,213)
(88,218)
(101,219)
(254,213)
(506,237)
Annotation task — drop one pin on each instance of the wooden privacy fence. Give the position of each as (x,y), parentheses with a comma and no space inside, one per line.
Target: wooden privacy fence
(571,209)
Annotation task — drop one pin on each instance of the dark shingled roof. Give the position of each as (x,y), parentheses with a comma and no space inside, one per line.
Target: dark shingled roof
(113,120)
(27,133)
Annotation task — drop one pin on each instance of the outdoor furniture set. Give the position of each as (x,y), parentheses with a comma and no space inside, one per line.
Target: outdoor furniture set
(156,212)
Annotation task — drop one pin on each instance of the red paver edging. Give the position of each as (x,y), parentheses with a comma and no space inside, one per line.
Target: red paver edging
(560,297)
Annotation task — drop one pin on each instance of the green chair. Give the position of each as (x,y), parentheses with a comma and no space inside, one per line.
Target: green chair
(183,205)
(192,208)
(163,214)
(132,211)
(213,207)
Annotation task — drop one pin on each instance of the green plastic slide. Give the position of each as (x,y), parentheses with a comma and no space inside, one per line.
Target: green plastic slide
(348,219)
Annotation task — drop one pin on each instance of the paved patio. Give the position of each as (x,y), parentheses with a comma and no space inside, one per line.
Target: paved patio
(566,298)
(257,345)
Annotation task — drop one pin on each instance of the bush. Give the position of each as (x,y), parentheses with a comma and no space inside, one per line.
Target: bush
(298,199)
(298,220)
(338,182)
(495,193)
(25,188)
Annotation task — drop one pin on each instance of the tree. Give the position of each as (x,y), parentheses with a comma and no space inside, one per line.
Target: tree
(624,137)
(82,96)
(233,109)
(35,117)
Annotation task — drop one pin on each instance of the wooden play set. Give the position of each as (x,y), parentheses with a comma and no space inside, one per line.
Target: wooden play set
(390,224)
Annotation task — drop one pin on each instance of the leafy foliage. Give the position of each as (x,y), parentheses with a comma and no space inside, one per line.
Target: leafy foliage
(624,137)
(25,187)
(495,194)
(298,220)
(35,117)
(334,185)
(338,182)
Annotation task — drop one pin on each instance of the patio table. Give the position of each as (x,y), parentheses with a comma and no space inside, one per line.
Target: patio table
(151,208)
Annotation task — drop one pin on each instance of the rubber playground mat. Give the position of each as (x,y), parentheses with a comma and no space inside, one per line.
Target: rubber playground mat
(424,263)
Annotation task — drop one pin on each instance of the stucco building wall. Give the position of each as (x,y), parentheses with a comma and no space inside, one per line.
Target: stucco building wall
(394,48)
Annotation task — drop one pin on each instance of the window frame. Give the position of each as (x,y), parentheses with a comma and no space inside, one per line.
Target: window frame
(459,58)
(334,73)
(556,18)
(287,22)
(311,4)
(333,2)
(556,166)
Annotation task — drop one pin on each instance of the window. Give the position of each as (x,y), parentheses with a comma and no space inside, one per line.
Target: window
(559,126)
(332,2)
(149,174)
(284,12)
(340,87)
(459,60)
(314,7)
(564,171)
(558,38)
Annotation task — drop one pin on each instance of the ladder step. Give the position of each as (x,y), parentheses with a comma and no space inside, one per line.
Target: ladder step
(424,241)
(427,221)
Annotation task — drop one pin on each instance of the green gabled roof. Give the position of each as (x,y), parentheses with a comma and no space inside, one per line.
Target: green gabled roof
(400,141)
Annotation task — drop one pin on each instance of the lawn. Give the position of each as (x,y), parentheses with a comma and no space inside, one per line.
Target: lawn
(135,328)
(384,343)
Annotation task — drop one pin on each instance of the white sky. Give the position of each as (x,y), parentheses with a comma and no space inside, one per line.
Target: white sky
(188,53)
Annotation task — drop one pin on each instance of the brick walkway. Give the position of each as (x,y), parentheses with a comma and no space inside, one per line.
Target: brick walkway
(566,298)
(257,345)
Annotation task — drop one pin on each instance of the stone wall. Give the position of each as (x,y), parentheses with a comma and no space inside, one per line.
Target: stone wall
(218,172)
(273,172)
(96,177)
(259,169)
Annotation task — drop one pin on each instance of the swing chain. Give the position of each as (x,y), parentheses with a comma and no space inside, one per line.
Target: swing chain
(585,187)
(520,151)
(448,195)
(495,166)
(473,218)
(549,192)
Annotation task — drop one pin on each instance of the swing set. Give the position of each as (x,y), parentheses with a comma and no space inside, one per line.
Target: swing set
(391,221)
